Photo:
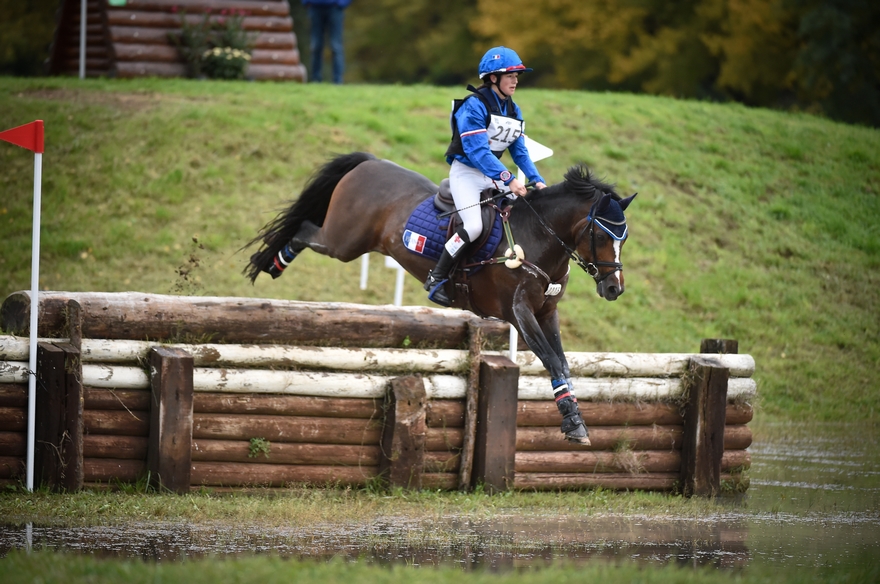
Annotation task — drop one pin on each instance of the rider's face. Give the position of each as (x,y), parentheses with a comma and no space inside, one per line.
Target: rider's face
(507,83)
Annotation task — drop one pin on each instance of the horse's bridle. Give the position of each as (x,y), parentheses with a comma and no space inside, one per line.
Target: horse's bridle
(592,267)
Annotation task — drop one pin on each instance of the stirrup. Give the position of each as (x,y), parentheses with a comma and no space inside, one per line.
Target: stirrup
(431,282)
(438,295)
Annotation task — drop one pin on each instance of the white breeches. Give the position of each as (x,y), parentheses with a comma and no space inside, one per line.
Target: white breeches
(467,184)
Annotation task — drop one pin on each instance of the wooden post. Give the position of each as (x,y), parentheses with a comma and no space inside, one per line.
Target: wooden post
(470,411)
(58,453)
(704,420)
(169,450)
(74,323)
(723,346)
(495,445)
(402,452)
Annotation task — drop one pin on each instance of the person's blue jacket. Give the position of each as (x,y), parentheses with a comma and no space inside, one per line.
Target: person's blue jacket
(340,3)
(470,123)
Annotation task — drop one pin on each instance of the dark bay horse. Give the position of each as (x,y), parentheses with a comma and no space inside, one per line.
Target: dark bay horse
(357,203)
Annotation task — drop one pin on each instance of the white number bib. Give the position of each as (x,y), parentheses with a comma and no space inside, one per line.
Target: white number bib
(503,132)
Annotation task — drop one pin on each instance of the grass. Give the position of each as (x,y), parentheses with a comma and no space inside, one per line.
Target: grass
(308,507)
(53,567)
(750,224)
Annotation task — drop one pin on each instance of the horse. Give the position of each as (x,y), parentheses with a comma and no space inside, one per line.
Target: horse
(357,203)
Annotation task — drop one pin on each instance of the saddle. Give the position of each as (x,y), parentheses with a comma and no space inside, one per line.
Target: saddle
(426,232)
(444,203)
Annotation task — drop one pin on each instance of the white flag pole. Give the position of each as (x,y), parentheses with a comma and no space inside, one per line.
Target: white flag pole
(83,21)
(35,307)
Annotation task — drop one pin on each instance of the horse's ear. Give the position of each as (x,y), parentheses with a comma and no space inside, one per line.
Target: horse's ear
(603,203)
(624,203)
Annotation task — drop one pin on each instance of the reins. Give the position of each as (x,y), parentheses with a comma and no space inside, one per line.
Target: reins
(591,268)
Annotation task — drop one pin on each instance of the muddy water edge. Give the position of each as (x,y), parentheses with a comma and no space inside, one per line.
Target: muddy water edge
(814,501)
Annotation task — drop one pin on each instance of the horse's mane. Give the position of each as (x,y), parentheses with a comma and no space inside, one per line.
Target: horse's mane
(580,181)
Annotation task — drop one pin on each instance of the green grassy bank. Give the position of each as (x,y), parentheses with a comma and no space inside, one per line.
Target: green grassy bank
(750,224)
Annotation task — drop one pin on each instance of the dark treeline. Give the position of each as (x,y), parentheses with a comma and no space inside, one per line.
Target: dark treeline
(820,56)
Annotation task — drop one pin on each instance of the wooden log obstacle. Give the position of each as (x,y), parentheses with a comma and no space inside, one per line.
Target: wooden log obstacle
(415,397)
(134,38)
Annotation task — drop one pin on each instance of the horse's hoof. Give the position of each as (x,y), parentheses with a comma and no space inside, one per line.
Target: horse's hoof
(579,435)
(582,440)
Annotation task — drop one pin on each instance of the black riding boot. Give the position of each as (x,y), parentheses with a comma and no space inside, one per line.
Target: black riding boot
(573,425)
(440,274)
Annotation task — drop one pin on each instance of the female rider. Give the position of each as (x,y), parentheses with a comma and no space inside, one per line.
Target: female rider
(484,125)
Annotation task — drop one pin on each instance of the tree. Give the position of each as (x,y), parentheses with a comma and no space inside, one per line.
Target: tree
(26,31)
(837,67)
(411,41)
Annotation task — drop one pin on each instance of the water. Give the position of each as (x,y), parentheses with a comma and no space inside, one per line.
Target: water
(814,501)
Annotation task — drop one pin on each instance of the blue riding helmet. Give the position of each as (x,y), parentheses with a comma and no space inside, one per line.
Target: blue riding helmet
(500,60)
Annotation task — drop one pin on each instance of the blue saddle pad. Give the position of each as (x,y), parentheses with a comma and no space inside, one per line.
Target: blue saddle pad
(425,234)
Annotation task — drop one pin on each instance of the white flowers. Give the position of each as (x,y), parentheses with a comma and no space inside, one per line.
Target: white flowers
(227,53)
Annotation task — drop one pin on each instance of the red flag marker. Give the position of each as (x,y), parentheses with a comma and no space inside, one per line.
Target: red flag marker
(28,136)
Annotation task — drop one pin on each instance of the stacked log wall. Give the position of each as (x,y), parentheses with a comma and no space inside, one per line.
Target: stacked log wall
(134,39)
(13,424)
(319,410)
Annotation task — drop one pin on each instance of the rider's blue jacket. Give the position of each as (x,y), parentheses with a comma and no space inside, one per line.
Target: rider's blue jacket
(470,137)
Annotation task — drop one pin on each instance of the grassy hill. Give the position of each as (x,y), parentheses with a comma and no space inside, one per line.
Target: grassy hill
(750,224)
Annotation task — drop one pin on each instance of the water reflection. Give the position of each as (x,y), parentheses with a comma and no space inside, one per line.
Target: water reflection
(814,500)
(501,543)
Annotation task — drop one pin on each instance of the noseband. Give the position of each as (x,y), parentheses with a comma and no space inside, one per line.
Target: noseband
(592,267)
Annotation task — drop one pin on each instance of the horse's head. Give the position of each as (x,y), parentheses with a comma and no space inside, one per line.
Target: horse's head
(602,235)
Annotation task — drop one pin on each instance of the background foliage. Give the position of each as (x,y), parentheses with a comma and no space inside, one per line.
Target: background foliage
(820,56)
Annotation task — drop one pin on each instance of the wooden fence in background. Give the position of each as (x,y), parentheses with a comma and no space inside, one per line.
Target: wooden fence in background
(132,38)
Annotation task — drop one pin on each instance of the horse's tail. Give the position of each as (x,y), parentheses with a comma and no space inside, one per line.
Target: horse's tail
(311,206)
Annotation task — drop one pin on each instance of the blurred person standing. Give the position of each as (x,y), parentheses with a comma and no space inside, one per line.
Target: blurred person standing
(326,19)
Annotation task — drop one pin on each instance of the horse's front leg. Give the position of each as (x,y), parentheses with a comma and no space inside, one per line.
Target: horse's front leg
(573,424)
(548,348)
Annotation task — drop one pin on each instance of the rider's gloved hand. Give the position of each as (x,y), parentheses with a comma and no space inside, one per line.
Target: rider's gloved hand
(517,188)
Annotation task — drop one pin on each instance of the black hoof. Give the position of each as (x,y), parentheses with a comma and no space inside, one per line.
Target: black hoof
(579,435)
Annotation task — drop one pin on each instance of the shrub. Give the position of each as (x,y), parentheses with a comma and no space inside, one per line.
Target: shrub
(215,47)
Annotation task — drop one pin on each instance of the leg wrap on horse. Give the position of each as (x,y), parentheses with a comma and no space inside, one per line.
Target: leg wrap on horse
(281,260)
(573,425)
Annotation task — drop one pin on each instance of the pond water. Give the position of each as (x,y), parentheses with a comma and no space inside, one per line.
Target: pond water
(814,501)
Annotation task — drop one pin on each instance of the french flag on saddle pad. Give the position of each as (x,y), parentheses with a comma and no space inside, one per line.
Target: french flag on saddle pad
(414,241)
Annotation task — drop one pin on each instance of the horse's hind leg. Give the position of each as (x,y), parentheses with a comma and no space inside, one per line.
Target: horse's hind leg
(316,238)
(309,236)
(305,237)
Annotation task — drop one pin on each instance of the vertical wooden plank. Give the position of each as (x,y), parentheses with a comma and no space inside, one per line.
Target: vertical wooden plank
(723,346)
(402,452)
(475,345)
(74,323)
(703,436)
(50,411)
(495,445)
(72,436)
(169,450)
